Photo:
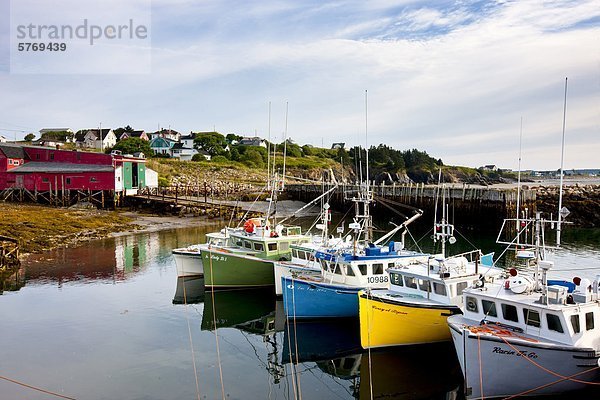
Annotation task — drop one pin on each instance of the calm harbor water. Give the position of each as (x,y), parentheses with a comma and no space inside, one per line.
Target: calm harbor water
(110,320)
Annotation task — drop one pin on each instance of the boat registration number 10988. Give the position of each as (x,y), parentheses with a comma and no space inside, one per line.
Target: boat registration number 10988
(377,279)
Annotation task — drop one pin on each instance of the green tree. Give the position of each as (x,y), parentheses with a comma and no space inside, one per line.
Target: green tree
(133,145)
(232,136)
(212,142)
(253,158)
(29,137)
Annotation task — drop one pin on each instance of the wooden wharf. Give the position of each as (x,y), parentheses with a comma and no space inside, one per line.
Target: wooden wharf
(482,207)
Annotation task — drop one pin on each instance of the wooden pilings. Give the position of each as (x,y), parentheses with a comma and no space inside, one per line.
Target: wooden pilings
(469,206)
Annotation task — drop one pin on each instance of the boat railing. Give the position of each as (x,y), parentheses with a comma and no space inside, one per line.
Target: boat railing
(471,256)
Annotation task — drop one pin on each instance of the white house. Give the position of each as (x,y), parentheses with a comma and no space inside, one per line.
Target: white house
(2,139)
(178,150)
(165,133)
(188,140)
(93,139)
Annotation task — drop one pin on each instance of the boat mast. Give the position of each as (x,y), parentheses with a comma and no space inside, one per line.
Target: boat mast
(269,148)
(562,158)
(367,200)
(518,227)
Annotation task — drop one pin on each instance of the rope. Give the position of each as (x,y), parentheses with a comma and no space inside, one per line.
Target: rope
(552,372)
(480,367)
(290,340)
(550,384)
(368,292)
(36,388)
(191,341)
(212,277)
(296,344)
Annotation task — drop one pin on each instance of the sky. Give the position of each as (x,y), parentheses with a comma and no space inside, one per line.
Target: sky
(452,78)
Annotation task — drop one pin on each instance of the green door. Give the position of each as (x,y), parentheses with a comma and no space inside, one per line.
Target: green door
(127,175)
(141,175)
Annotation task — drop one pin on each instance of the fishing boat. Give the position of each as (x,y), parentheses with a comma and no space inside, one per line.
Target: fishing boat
(346,271)
(529,326)
(303,261)
(247,258)
(421,296)
(528,335)
(188,260)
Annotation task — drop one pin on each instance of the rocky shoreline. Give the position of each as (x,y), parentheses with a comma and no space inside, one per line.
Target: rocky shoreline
(583,202)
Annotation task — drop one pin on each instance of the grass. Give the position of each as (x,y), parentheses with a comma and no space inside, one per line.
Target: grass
(41,228)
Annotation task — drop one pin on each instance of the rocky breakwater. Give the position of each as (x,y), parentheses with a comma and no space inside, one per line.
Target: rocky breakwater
(583,201)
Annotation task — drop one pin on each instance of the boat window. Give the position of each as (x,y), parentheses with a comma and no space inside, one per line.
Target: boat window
(349,270)
(247,244)
(410,282)
(424,285)
(310,257)
(396,279)
(532,317)
(238,242)
(575,323)
(362,268)
(472,304)
(509,312)
(377,269)
(439,288)
(324,265)
(489,308)
(391,265)
(589,321)
(284,246)
(460,286)
(294,253)
(302,255)
(337,269)
(554,323)
(259,247)
(272,246)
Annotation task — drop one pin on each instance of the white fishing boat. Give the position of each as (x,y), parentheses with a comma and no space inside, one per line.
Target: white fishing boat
(526,335)
(188,260)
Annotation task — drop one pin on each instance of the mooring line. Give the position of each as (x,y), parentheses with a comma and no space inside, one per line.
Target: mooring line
(212,280)
(190,338)
(36,388)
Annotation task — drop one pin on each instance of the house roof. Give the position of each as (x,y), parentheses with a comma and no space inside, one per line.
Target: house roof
(45,130)
(169,142)
(12,151)
(52,167)
(135,133)
(80,135)
(181,146)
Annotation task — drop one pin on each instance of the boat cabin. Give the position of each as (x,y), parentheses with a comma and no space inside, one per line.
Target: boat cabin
(571,319)
(433,287)
(260,242)
(365,270)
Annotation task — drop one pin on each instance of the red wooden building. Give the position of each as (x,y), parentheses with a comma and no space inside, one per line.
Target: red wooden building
(47,170)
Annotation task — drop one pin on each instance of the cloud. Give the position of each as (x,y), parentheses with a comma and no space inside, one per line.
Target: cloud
(453,79)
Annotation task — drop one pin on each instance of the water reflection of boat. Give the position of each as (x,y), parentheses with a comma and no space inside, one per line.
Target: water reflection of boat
(236,308)
(320,340)
(416,372)
(190,290)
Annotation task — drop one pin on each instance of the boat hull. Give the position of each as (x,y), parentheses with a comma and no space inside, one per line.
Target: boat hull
(384,323)
(188,263)
(287,269)
(229,270)
(310,299)
(495,366)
